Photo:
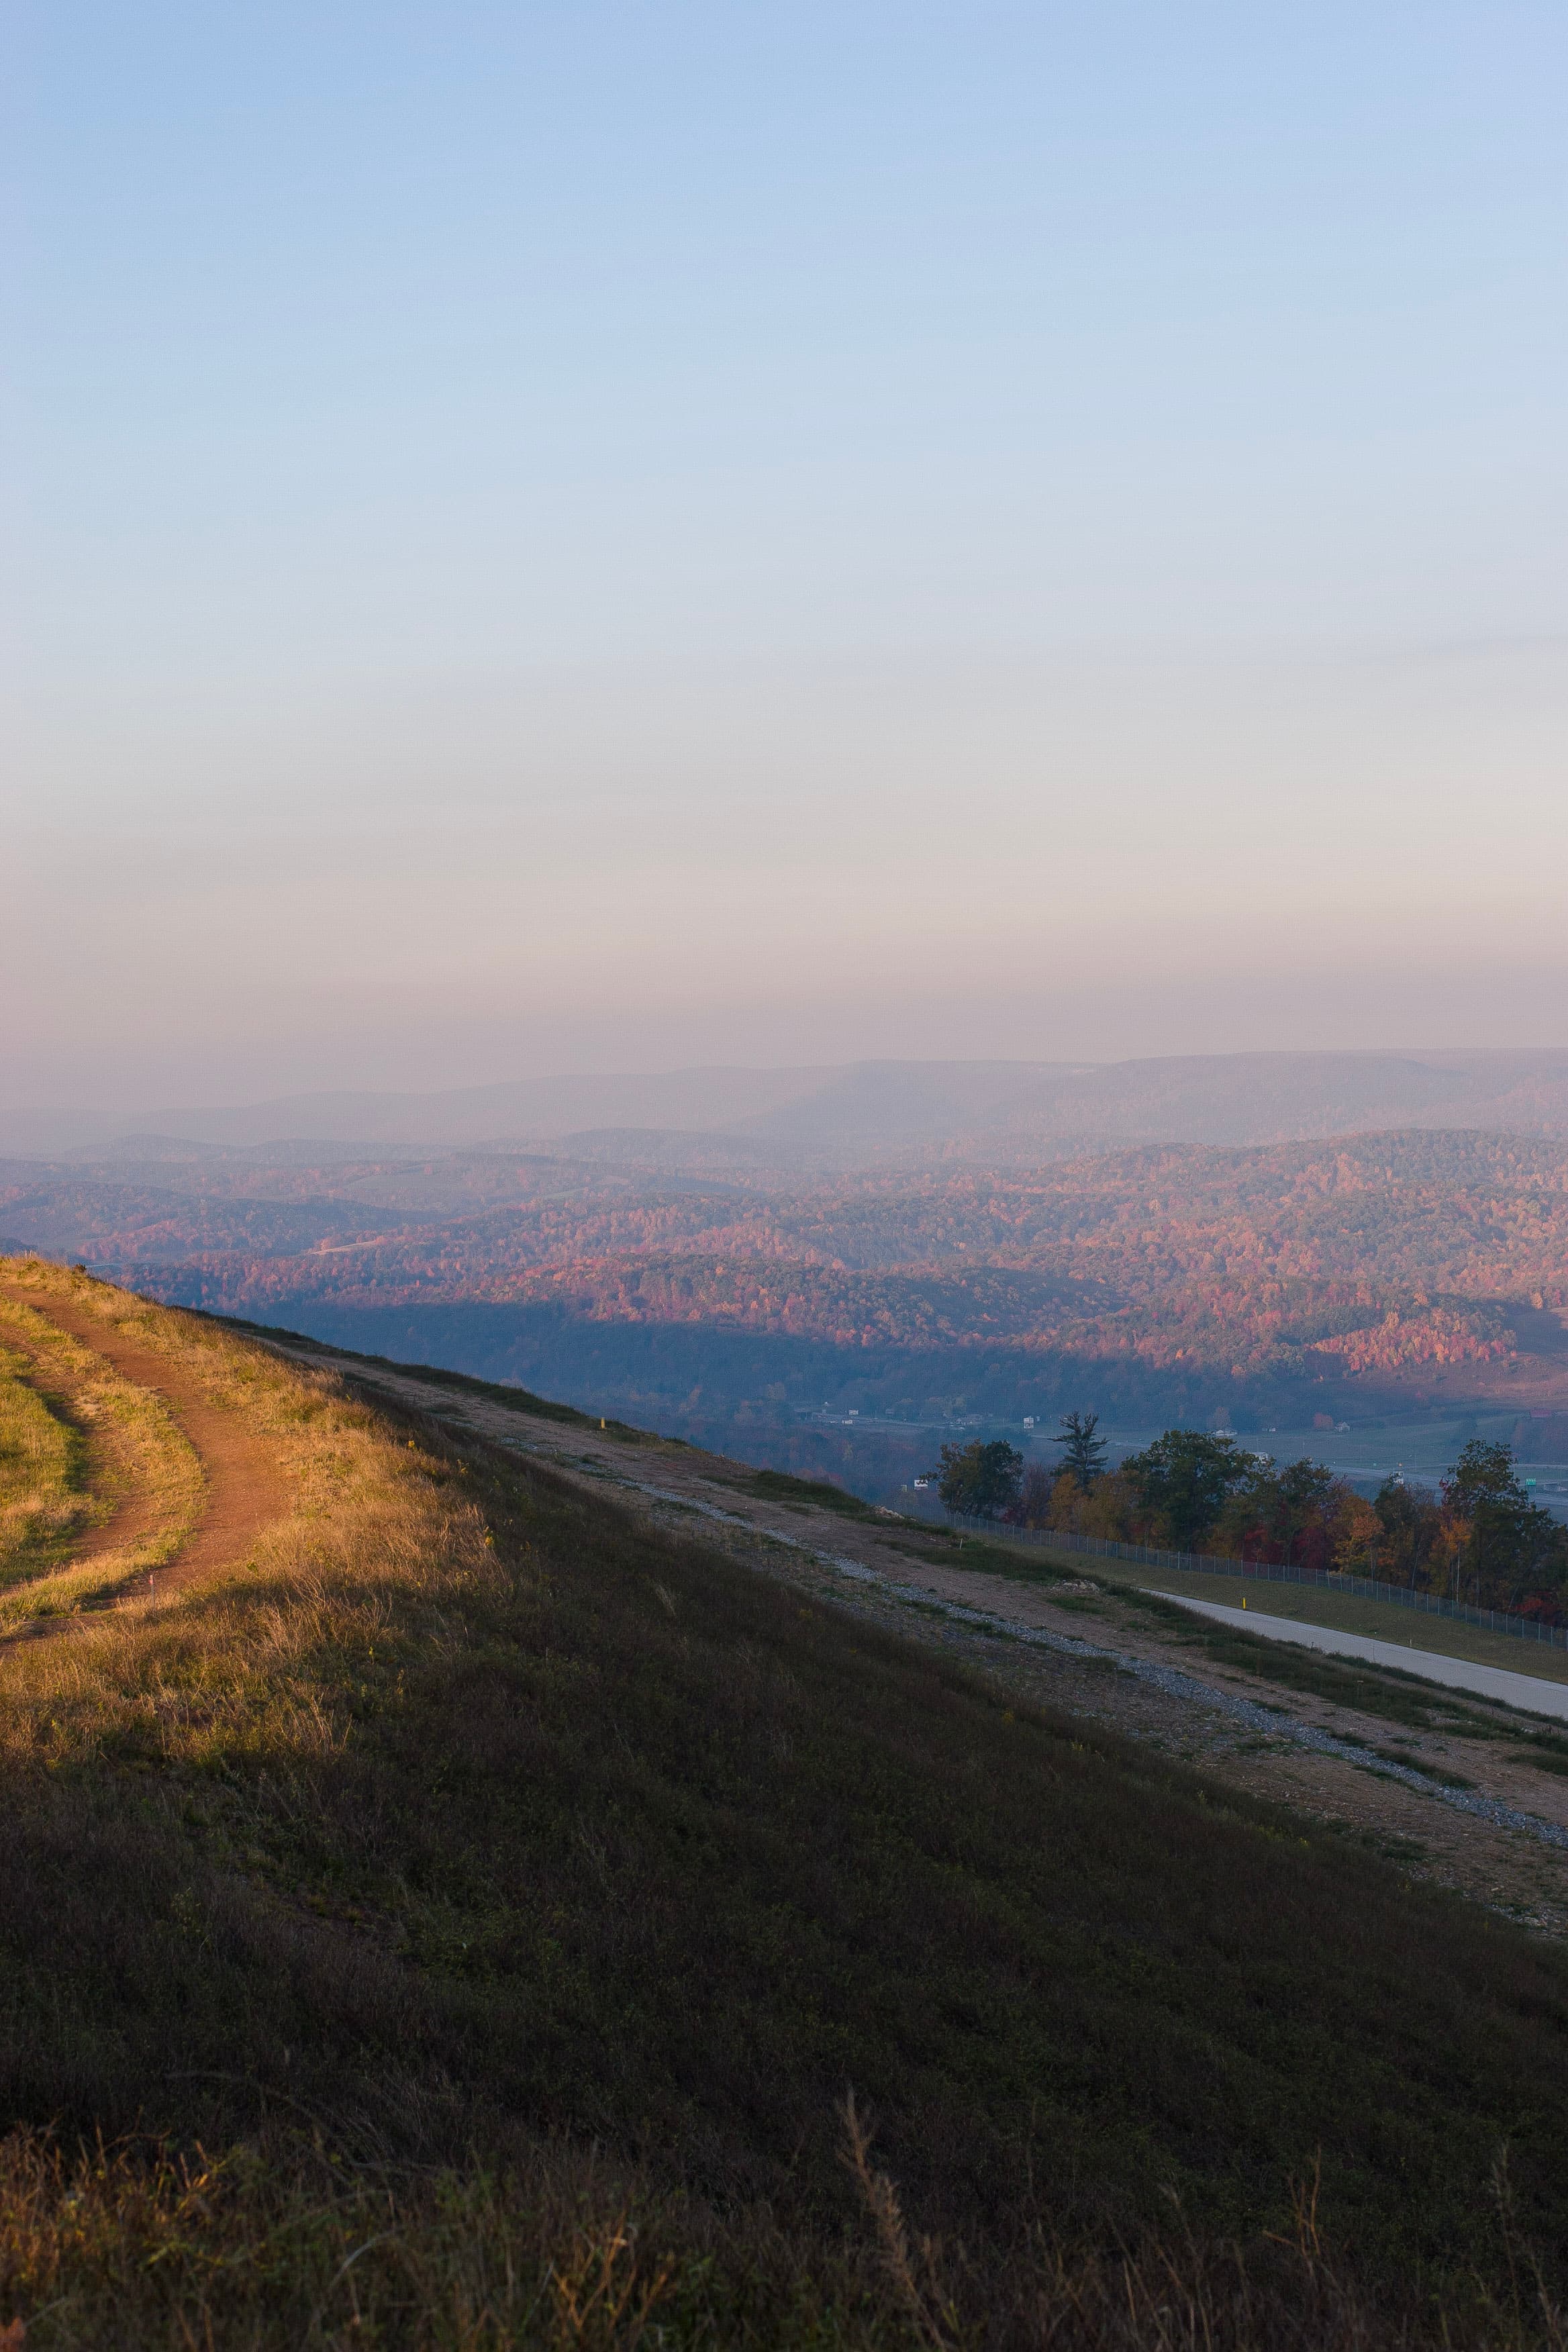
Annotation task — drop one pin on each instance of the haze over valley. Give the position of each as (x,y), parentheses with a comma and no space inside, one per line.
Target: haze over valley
(827,1269)
(870,1112)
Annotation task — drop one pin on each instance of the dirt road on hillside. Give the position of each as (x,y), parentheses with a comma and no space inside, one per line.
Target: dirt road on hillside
(244,1486)
(134,1515)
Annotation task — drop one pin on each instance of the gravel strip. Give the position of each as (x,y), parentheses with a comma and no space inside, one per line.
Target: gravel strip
(1242,1710)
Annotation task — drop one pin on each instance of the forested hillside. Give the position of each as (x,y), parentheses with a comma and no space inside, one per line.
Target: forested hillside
(1164,1280)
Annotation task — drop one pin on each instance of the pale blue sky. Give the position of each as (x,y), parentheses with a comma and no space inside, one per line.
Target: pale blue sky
(582,534)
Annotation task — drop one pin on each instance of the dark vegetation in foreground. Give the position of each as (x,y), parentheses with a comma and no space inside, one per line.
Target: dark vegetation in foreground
(498,1972)
(274,2244)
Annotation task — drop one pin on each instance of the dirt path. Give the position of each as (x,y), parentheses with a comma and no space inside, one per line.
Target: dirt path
(134,1515)
(245,1488)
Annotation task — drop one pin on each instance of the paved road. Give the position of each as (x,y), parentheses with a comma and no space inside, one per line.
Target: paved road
(1493,1681)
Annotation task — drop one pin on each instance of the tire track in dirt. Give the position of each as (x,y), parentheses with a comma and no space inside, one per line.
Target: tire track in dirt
(245,1485)
(134,1514)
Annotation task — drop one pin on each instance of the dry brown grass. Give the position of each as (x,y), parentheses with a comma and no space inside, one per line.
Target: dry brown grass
(564,2251)
(221,1673)
(134,1454)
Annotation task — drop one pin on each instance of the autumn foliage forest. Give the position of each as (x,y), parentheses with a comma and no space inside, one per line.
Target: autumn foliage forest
(1236,1286)
(1479,1537)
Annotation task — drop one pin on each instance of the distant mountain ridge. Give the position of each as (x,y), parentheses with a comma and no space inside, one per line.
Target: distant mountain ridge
(863,1113)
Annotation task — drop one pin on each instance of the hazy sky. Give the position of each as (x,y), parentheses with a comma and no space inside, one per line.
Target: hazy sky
(555,536)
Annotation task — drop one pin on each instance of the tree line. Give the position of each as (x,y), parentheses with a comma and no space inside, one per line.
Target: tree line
(1477,1536)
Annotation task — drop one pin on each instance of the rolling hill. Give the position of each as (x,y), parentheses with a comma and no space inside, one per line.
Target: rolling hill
(1406,1272)
(446,1906)
(869,1114)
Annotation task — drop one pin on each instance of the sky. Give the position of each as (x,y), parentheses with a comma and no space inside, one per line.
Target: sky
(550,537)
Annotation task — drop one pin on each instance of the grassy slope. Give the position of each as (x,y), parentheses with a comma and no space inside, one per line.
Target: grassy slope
(41,1481)
(98,1440)
(477,1813)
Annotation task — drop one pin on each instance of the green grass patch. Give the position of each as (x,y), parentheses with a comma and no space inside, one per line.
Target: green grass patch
(815,1494)
(43,1476)
(121,1471)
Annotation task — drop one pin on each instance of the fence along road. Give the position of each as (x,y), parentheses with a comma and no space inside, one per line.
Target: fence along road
(1359,1588)
(1490,1681)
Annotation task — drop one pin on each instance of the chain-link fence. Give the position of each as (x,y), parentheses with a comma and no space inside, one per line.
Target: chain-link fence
(1366,1588)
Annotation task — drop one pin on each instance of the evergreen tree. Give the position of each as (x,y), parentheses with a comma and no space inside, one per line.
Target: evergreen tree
(1512,1547)
(1082,1452)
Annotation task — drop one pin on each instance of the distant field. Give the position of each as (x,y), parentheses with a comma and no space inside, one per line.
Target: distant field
(1313,1604)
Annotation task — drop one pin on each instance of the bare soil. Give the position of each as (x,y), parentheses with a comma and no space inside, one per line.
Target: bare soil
(245,1488)
(135,1514)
